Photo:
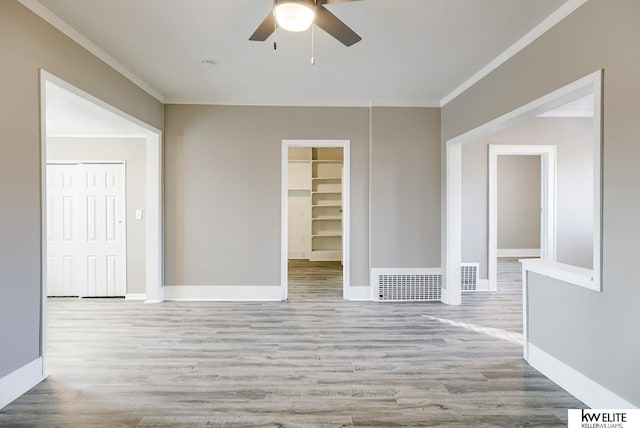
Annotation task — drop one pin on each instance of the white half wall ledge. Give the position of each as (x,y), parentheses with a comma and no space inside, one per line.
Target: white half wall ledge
(569,274)
(224,293)
(575,383)
(20,381)
(519,252)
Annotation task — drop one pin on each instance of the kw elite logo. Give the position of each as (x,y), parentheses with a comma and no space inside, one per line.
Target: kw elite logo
(604,418)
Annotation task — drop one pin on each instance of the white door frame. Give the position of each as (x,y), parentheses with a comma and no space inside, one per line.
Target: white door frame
(153,198)
(452,222)
(548,192)
(346,209)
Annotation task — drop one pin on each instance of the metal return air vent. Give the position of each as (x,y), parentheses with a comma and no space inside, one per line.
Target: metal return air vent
(399,288)
(469,276)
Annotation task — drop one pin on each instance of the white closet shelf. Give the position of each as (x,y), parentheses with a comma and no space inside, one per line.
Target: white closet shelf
(327,218)
(327,161)
(327,192)
(337,234)
(327,206)
(326,178)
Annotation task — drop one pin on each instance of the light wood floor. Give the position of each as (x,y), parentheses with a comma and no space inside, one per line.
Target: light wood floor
(303,363)
(314,280)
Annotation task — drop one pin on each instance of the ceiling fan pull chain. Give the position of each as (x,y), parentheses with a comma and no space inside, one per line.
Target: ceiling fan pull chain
(313,45)
(275,28)
(275,35)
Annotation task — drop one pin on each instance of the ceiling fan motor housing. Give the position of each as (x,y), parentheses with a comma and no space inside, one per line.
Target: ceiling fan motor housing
(310,3)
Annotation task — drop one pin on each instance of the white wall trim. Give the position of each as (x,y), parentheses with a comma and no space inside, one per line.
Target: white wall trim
(20,381)
(346,209)
(452,254)
(575,383)
(567,113)
(135,296)
(482,285)
(452,224)
(359,293)
(548,168)
(230,293)
(53,19)
(552,20)
(518,252)
(525,313)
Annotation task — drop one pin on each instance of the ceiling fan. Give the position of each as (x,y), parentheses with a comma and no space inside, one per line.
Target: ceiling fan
(299,15)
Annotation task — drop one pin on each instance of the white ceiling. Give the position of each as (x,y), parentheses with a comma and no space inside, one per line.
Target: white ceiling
(71,115)
(413,52)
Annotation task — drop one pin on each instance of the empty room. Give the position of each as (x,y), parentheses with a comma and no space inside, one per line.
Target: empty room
(326,213)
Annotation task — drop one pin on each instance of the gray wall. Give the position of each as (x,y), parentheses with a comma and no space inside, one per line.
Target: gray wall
(591,332)
(518,202)
(133,152)
(405,184)
(222,188)
(573,140)
(27,44)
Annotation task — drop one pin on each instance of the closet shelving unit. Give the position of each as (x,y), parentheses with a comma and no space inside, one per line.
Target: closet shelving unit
(326,204)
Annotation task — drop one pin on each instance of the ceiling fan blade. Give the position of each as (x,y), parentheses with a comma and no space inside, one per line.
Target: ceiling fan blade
(265,29)
(335,1)
(338,29)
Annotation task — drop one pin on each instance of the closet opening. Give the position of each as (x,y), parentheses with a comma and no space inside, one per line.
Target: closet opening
(315,220)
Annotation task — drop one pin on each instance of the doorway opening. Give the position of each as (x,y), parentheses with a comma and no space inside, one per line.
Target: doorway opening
(90,152)
(522,204)
(573,115)
(315,219)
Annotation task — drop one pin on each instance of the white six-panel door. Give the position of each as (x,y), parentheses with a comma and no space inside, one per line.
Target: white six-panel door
(86,230)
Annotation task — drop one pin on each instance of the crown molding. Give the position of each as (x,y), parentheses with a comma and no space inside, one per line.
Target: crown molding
(304,102)
(53,19)
(552,20)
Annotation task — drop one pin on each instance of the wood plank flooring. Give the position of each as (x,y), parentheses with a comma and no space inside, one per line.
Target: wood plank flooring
(314,280)
(308,362)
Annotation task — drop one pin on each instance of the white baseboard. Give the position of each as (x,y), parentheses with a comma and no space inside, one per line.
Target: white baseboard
(359,293)
(233,293)
(519,252)
(482,285)
(20,381)
(136,296)
(575,383)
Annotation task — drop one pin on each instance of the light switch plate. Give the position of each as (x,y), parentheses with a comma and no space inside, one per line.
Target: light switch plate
(138,214)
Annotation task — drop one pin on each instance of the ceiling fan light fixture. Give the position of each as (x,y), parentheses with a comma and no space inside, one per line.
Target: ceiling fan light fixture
(294,16)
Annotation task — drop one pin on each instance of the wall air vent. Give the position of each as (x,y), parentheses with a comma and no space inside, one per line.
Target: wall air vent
(406,285)
(469,276)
